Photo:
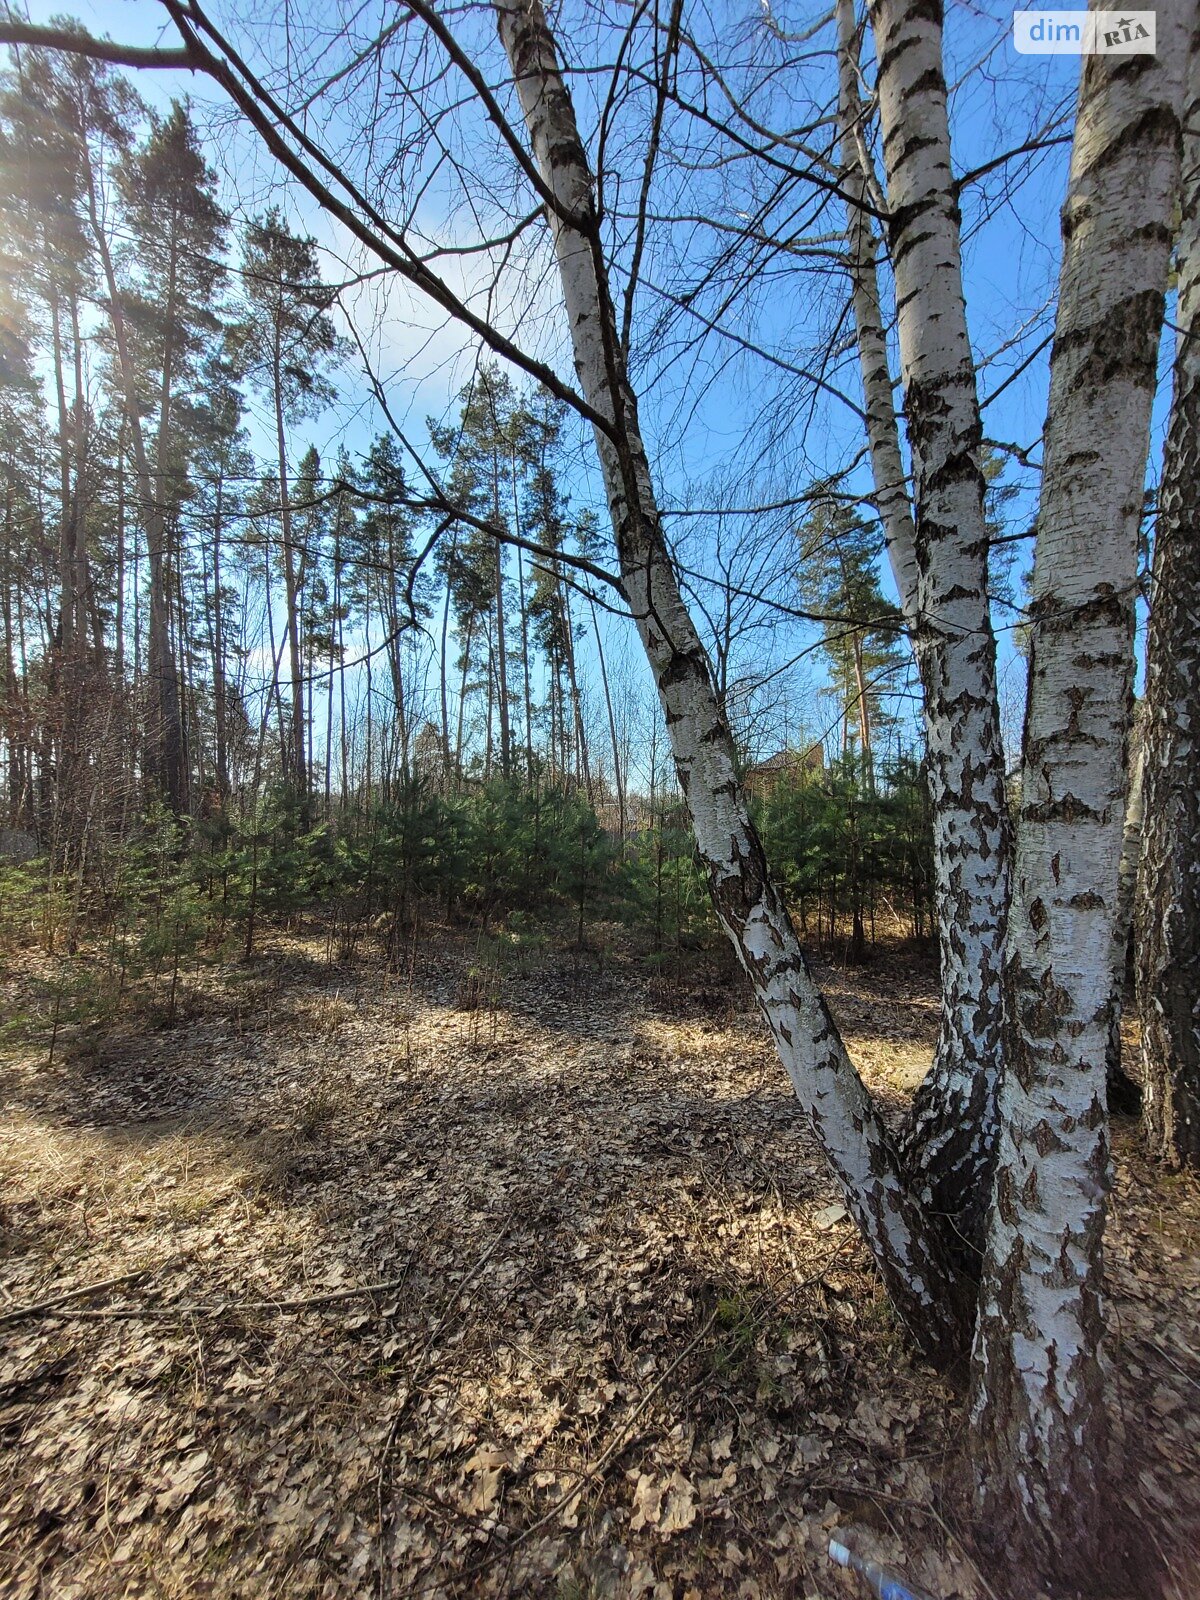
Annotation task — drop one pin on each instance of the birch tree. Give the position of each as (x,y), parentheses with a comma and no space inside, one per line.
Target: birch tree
(1037,1418)
(1037,1411)
(1168,914)
(890,481)
(951,1136)
(748,905)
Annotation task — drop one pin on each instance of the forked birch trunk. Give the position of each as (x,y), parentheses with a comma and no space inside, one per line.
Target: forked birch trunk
(907,1250)
(1168,914)
(950,1140)
(1037,1412)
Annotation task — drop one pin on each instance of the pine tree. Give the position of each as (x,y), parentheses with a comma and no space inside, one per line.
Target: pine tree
(344,542)
(838,574)
(288,345)
(50,111)
(481,454)
(547,614)
(20,534)
(222,464)
(386,540)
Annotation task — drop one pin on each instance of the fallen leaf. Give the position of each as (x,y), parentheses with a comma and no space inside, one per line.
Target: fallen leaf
(829,1217)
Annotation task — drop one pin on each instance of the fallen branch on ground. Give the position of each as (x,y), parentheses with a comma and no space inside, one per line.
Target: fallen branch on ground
(49,1307)
(54,1308)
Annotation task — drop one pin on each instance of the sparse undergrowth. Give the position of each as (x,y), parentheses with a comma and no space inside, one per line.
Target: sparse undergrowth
(625,1343)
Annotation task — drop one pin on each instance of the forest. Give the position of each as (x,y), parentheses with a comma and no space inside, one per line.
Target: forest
(599,814)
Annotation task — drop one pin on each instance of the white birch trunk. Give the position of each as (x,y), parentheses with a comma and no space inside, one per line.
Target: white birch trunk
(1037,1410)
(1168,917)
(950,1141)
(750,909)
(862,250)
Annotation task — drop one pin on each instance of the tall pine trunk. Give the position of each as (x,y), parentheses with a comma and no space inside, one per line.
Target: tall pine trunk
(220,692)
(298,744)
(500,672)
(119,535)
(12,726)
(583,764)
(73,671)
(166,756)
(1037,1414)
(449,759)
(606,690)
(498,643)
(526,681)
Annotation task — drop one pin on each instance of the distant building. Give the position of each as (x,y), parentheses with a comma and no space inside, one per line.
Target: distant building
(762,779)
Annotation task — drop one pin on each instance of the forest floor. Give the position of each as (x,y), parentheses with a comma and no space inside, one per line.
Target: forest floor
(471,1282)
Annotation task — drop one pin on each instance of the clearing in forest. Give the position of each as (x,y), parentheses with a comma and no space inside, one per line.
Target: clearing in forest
(496,1282)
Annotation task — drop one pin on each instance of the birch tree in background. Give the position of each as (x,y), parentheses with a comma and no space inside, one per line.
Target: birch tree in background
(1124,1093)
(889,479)
(1168,912)
(951,1136)
(1038,1415)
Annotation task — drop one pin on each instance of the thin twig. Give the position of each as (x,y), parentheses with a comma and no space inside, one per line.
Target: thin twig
(619,1444)
(216,1309)
(1171,1361)
(46,1307)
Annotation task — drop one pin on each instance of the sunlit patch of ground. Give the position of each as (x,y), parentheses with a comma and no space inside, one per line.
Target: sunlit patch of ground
(483,1281)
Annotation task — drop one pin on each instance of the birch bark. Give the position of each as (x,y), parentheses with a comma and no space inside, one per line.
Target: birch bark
(922,1285)
(862,252)
(1123,1094)
(950,1140)
(1037,1415)
(1168,916)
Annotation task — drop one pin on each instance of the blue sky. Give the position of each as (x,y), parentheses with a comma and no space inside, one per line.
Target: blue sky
(1010,260)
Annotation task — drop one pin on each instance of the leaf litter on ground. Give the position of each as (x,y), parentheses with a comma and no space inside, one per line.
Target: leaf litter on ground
(348,1286)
